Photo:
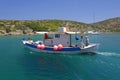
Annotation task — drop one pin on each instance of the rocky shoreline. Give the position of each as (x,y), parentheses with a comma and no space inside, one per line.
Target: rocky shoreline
(17,32)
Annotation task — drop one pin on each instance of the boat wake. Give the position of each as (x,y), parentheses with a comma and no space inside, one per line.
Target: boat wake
(109,54)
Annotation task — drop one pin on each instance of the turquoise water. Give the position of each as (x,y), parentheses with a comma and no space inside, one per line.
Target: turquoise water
(19,63)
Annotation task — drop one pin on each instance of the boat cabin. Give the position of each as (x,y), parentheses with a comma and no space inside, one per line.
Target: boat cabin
(61,37)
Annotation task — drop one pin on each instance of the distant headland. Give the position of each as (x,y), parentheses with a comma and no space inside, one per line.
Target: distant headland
(29,27)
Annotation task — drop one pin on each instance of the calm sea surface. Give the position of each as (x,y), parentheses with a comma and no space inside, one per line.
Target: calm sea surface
(19,63)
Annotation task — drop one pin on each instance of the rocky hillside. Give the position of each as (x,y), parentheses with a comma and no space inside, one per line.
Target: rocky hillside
(12,27)
(18,27)
(109,25)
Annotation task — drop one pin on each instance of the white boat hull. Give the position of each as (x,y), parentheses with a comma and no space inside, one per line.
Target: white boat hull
(92,48)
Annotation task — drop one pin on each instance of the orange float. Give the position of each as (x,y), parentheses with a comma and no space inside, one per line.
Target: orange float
(60,46)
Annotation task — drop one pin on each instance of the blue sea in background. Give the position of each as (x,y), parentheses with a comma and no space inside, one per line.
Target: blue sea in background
(19,63)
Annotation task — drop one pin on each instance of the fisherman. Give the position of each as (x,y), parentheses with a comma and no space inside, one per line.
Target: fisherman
(87,41)
(30,40)
(81,42)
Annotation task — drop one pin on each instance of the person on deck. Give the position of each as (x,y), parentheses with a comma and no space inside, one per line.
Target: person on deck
(81,42)
(30,40)
(87,41)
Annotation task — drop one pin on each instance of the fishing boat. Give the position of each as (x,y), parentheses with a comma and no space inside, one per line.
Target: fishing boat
(60,43)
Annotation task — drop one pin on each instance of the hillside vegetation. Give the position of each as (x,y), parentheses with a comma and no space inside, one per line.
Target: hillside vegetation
(40,25)
(109,25)
(26,26)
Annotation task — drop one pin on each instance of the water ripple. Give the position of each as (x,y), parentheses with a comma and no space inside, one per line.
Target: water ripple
(109,54)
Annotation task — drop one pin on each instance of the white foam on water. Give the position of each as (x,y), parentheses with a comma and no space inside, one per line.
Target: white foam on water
(31,52)
(109,54)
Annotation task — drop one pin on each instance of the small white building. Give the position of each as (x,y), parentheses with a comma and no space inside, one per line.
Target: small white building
(61,29)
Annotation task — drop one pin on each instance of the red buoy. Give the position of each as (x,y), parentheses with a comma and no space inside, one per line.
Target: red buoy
(55,47)
(60,46)
(42,46)
(39,46)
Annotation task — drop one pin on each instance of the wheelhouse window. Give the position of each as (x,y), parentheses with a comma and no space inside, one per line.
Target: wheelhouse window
(57,35)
